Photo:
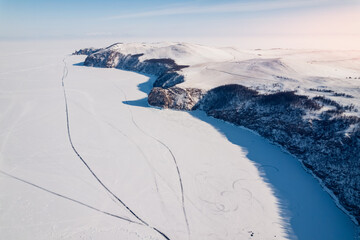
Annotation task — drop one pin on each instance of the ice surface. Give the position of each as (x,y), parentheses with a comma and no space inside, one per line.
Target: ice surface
(236,184)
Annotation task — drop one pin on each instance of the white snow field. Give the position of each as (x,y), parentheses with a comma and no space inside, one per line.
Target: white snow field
(130,171)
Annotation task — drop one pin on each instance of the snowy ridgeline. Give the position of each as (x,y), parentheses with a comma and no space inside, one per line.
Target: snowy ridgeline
(306,101)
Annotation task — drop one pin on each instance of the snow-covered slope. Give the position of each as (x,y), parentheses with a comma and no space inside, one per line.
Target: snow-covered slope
(334,74)
(306,101)
(181,53)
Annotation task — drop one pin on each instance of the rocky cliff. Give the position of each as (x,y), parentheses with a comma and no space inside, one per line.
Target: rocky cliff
(166,70)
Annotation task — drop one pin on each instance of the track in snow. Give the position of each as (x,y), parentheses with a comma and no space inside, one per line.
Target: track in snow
(130,140)
(67,198)
(65,73)
(173,157)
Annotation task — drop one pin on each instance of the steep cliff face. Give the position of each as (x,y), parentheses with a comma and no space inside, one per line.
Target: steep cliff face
(166,70)
(322,133)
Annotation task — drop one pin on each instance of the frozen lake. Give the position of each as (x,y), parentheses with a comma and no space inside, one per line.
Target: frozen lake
(136,172)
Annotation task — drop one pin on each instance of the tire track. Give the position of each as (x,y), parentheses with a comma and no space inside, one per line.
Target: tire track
(140,150)
(173,157)
(100,119)
(142,153)
(164,181)
(67,198)
(142,222)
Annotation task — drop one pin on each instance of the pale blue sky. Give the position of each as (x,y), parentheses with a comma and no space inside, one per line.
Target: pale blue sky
(29,19)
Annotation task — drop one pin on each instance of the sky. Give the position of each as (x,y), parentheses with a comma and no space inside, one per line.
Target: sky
(317,22)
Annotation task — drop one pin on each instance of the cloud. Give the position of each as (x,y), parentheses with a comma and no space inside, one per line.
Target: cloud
(224,8)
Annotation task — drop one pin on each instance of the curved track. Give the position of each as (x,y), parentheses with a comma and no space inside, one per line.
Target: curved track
(65,73)
(173,157)
(67,198)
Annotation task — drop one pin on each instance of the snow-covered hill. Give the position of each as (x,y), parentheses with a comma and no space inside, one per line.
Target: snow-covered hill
(334,74)
(307,101)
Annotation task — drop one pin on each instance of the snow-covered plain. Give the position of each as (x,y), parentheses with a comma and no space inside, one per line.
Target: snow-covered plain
(236,185)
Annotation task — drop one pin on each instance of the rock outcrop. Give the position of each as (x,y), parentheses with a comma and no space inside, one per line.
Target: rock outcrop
(86,51)
(175,98)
